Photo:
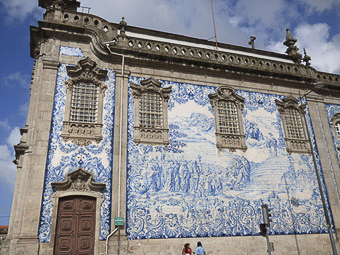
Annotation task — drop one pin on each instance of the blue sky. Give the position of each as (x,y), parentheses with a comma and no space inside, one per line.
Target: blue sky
(315,23)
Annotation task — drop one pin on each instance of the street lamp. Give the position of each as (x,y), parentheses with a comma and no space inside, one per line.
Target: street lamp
(320,85)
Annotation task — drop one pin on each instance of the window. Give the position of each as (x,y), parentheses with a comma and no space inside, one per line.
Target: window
(227,108)
(85,93)
(335,122)
(151,112)
(84,103)
(227,118)
(294,125)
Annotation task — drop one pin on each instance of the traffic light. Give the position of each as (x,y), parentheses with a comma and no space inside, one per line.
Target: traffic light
(263,230)
(266,213)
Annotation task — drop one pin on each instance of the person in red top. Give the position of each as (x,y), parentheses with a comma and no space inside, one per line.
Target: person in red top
(187,250)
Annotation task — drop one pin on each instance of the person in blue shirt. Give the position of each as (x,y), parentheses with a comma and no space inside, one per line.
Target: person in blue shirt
(200,250)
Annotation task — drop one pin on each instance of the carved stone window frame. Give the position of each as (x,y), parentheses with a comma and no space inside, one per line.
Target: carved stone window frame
(83,133)
(150,135)
(77,183)
(334,120)
(294,145)
(224,140)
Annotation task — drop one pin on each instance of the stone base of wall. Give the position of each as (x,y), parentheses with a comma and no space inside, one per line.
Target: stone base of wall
(284,245)
(26,246)
(312,244)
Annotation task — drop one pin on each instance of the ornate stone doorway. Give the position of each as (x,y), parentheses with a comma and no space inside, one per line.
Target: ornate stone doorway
(76,218)
(76,225)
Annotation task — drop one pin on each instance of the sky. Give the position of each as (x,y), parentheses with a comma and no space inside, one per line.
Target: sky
(315,23)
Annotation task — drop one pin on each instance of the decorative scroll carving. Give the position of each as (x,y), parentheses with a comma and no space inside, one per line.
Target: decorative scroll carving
(296,141)
(335,122)
(78,180)
(156,134)
(224,138)
(83,133)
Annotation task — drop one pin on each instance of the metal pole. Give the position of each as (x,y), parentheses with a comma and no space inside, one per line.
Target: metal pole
(269,247)
(324,205)
(212,9)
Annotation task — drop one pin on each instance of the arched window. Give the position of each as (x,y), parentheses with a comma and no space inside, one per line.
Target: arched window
(294,125)
(227,108)
(150,102)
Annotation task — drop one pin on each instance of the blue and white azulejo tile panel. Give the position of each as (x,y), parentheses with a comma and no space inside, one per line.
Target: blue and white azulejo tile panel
(71,51)
(331,110)
(64,157)
(191,189)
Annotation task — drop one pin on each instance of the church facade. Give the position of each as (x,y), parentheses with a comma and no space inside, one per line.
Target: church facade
(138,141)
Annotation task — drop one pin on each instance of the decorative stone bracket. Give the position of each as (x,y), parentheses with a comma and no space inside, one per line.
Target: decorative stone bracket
(22,147)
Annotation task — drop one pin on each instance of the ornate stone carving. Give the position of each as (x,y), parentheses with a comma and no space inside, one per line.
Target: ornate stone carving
(22,147)
(292,50)
(151,135)
(226,140)
(300,142)
(62,4)
(335,122)
(252,41)
(306,58)
(83,133)
(122,27)
(78,180)
(335,118)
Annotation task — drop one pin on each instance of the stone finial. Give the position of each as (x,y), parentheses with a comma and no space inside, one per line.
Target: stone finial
(62,4)
(292,50)
(306,58)
(252,40)
(122,26)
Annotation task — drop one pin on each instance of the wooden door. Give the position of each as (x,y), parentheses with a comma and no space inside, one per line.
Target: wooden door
(75,226)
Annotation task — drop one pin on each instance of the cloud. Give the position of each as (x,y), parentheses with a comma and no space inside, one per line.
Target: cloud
(7,167)
(4,124)
(20,9)
(317,5)
(177,16)
(324,50)
(14,137)
(18,79)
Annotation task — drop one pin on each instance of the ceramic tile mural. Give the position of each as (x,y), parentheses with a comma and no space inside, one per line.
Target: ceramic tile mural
(191,189)
(64,157)
(331,110)
(70,51)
